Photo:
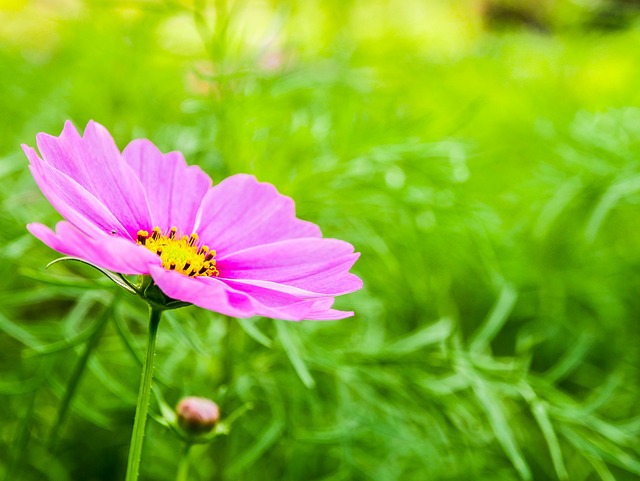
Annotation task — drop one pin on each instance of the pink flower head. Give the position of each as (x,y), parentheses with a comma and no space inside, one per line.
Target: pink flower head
(236,248)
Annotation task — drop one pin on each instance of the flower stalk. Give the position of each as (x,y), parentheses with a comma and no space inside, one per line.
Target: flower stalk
(142,407)
(183,465)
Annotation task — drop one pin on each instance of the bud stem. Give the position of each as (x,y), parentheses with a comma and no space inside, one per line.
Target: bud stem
(183,464)
(142,407)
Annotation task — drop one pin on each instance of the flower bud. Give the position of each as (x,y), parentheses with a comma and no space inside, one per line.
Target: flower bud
(197,415)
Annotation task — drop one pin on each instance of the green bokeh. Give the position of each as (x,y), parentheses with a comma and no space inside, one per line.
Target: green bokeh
(482,156)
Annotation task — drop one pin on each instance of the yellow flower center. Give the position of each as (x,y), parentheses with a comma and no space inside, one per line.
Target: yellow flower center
(182,254)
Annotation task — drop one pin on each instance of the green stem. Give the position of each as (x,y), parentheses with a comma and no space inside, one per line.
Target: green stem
(137,436)
(183,465)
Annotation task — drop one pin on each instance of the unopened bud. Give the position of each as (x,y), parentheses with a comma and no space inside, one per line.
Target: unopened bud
(197,415)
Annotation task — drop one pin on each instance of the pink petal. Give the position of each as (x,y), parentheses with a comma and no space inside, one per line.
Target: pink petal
(109,252)
(73,201)
(174,190)
(241,212)
(322,311)
(210,293)
(319,266)
(329,315)
(204,292)
(290,306)
(95,163)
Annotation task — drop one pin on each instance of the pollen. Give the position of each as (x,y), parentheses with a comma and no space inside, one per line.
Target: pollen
(180,253)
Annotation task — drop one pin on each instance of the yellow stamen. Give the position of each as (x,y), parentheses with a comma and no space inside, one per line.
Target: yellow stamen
(142,237)
(180,253)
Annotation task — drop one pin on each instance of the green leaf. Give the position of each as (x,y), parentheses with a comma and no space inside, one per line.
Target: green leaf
(116,278)
(293,354)
(495,320)
(254,333)
(252,453)
(572,358)
(187,333)
(495,411)
(431,334)
(540,414)
(19,333)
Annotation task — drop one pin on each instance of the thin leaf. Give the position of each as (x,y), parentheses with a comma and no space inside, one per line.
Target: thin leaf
(251,454)
(187,335)
(601,468)
(48,465)
(556,205)
(571,359)
(602,450)
(79,311)
(63,344)
(111,383)
(495,411)
(127,338)
(495,320)
(116,278)
(623,187)
(61,281)
(426,336)
(76,375)
(20,387)
(254,333)
(293,354)
(22,440)
(540,414)
(82,407)
(18,333)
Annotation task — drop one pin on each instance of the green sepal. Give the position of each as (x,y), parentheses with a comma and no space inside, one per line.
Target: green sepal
(116,278)
(146,288)
(158,299)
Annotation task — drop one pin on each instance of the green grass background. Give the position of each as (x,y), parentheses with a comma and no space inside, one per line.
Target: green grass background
(481,154)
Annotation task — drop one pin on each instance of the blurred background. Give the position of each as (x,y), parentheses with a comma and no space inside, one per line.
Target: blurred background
(481,154)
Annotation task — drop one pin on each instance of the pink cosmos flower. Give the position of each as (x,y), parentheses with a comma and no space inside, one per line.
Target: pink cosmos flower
(236,248)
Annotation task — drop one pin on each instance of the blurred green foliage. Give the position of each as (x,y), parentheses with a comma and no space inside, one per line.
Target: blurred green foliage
(483,157)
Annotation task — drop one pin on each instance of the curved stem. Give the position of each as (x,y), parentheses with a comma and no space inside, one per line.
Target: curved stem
(142,407)
(183,465)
